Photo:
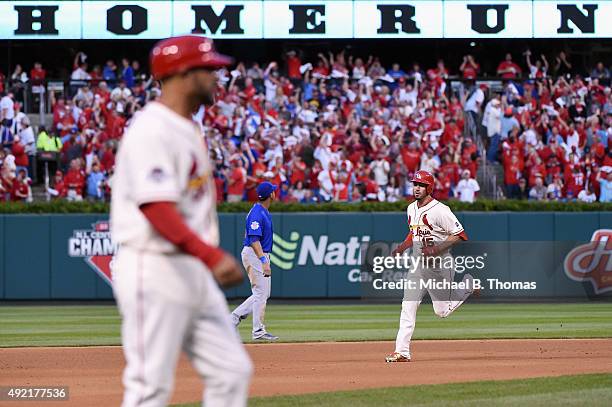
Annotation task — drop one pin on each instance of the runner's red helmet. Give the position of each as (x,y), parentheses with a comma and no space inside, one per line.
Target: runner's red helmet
(424,177)
(180,54)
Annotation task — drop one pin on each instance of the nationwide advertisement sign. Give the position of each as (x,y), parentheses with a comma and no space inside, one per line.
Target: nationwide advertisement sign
(259,19)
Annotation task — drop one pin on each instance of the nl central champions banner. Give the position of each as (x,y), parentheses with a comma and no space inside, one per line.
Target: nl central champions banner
(83,19)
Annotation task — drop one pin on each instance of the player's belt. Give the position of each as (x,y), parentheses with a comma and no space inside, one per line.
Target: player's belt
(268,253)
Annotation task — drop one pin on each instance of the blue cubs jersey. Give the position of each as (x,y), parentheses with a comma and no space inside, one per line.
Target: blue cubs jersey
(259,227)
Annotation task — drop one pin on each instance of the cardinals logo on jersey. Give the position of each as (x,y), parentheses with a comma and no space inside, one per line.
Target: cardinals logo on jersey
(197,182)
(592,262)
(426,222)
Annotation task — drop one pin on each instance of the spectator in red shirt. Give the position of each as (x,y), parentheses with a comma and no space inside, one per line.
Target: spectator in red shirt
(115,123)
(341,187)
(108,155)
(75,181)
(96,76)
(258,168)
(512,174)
(249,91)
(537,169)
(575,181)
(593,178)
(322,68)
(450,169)
(451,134)
(598,150)
(298,171)
(553,168)
(59,189)
(236,181)
(37,82)
(411,157)
(508,69)
(469,68)
(21,187)
(293,67)
(21,158)
(371,189)
(66,121)
(37,75)
(469,157)
(443,187)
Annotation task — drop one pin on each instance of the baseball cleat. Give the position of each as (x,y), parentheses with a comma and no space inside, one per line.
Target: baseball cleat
(396,357)
(266,337)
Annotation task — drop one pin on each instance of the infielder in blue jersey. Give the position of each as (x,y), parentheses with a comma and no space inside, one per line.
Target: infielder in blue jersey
(257,246)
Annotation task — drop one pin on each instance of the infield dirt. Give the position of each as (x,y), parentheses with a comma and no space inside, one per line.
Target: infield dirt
(94,373)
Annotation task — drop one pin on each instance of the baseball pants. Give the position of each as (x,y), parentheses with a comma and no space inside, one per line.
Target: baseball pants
(169,303)
(260,288)
(444,302)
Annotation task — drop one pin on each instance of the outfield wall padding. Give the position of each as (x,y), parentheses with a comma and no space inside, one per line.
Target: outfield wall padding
(316,252)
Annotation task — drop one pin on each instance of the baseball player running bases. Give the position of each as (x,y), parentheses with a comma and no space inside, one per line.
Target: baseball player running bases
(256,249)
(433,230)
(164,219)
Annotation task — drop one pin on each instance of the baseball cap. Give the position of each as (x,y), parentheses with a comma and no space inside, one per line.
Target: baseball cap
(265,189)
(180,54)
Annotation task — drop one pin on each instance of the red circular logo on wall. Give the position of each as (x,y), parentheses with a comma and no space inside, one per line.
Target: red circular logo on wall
(592,262)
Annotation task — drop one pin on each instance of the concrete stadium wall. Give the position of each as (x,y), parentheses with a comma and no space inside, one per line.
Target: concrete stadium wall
(313,256)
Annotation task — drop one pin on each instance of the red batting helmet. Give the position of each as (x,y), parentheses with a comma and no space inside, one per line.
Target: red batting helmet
(424,177)
(180,54)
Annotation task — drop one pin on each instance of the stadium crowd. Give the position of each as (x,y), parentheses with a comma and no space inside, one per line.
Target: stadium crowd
(338,128)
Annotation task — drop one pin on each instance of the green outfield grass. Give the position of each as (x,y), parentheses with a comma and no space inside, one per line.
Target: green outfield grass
(580,390)
(99,325)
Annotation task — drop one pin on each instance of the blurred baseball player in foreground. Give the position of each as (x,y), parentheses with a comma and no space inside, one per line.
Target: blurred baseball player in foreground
(164,218)
(257,246)
(433,230)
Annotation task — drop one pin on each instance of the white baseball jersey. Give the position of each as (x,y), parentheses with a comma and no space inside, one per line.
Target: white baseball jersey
(162,157)
(431,223)
(168,300)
